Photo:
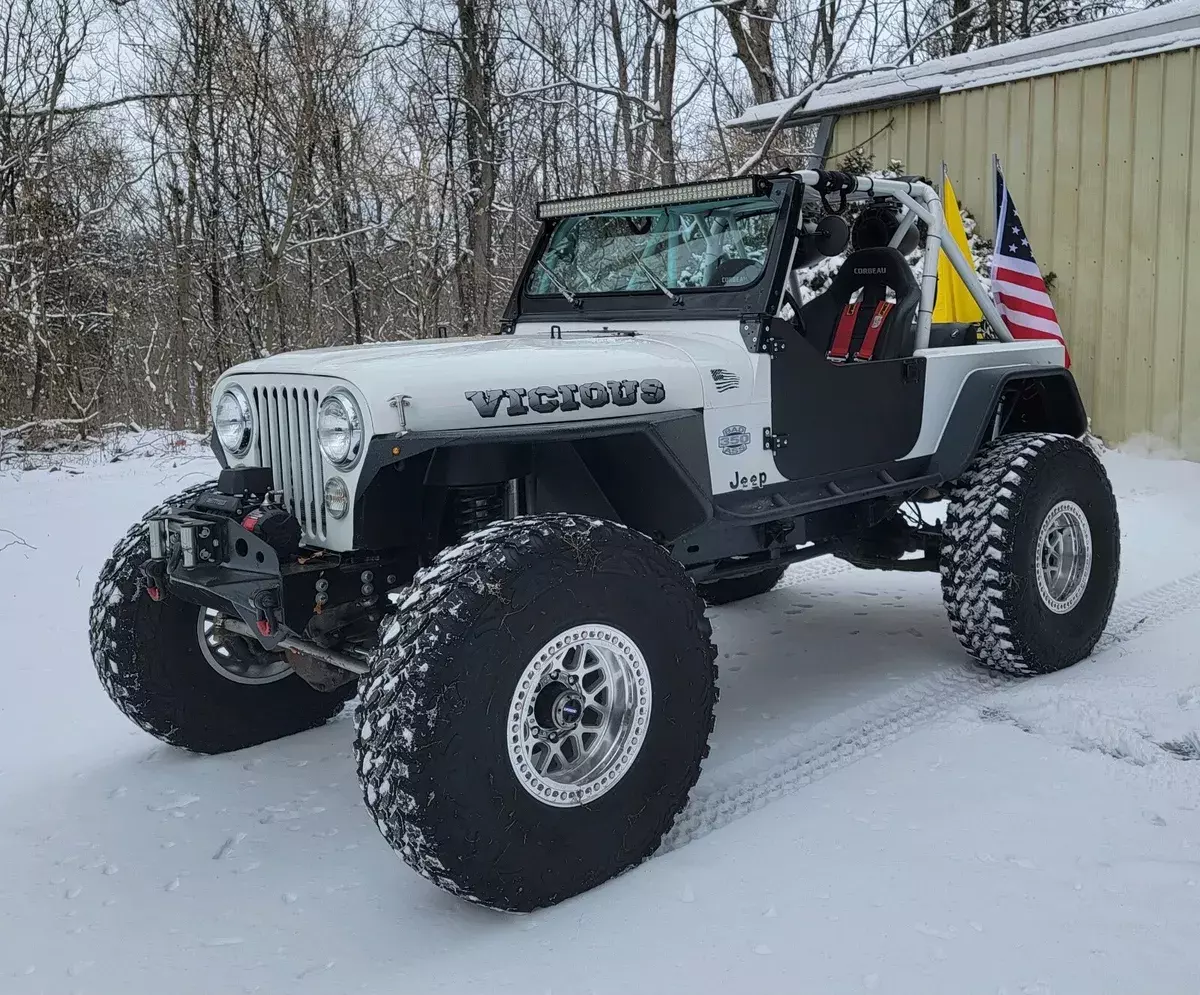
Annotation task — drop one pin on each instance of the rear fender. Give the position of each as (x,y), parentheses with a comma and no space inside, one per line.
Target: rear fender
(1026,400)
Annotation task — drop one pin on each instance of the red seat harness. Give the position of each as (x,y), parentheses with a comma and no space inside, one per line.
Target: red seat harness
(840,350)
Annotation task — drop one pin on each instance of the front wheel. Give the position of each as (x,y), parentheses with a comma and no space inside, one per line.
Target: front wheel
(1031,554)
(170,667)
(537,711)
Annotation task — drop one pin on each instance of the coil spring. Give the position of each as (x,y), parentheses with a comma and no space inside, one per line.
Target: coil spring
(474,507)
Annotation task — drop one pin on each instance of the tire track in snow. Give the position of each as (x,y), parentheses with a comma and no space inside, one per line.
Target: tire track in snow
(818,569)
(750,782)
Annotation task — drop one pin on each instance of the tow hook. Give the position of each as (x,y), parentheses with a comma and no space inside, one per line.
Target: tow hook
(265,604)
(154,578)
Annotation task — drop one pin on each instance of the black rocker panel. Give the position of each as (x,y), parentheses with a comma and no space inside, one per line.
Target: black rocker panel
(841,416)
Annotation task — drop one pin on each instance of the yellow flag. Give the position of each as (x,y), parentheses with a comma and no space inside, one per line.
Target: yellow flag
(954,301)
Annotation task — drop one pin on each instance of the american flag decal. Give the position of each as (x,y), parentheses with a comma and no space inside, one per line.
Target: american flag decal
(724,380)
(1017,283)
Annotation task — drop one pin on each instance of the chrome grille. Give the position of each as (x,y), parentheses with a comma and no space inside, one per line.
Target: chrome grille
(286,441)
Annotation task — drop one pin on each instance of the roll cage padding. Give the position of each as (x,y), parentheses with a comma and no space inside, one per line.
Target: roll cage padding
(873,271)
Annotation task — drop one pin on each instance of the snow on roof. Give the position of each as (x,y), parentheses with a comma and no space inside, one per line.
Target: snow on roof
(1172,26)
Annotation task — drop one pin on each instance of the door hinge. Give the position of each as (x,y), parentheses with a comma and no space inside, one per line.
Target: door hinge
(772,345)
(774,442)
(911,371)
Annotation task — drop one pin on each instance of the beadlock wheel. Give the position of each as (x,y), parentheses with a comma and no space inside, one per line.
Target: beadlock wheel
(1031,553)
(537,710)
(578,716)
(1064,557)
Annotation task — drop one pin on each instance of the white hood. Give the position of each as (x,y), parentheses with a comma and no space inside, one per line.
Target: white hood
(438,376)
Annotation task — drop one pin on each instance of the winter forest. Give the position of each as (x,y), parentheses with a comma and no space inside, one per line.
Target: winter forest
(188,183)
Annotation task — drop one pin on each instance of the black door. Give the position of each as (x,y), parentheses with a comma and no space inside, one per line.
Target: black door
(841,416)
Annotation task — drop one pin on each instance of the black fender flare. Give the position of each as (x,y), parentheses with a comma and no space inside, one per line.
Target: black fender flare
(971,420)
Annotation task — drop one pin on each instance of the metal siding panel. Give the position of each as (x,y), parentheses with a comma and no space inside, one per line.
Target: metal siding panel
(885,140)
(1146,181)
(1113,286)
(953,145)
(918,140)
(976,158)
(1015,154)
(1171,250)
(1041,157)
(1065,204)
(1190,384)
(935,150)
(901,135)
(840,138)
(1089,258)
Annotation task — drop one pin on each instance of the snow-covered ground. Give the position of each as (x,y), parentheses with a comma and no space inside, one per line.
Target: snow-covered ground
(875,816)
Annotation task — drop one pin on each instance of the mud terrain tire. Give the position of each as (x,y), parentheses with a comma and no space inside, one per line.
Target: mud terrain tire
(726,592)
(436,719)
(149,660)
(1000,513)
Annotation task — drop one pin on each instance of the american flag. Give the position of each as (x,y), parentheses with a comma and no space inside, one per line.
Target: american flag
(1017,282)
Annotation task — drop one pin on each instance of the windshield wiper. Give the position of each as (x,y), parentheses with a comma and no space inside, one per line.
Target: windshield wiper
(675,298)
(559,285)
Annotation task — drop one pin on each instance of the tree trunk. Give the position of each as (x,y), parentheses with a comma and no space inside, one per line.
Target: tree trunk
(752,41)
(477,56)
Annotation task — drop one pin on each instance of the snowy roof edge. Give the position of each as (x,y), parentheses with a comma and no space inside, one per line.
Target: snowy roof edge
(1153,31)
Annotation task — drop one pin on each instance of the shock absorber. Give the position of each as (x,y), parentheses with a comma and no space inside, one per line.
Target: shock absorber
(473,507)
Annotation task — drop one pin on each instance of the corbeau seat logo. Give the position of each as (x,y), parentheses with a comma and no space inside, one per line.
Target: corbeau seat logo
(566,397)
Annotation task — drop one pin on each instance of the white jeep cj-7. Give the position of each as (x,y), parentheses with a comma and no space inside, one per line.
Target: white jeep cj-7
(505,545)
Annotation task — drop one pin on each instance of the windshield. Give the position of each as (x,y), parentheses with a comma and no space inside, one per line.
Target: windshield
(714,245)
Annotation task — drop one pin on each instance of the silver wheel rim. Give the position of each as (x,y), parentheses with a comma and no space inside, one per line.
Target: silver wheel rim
(233,658)
(1064,552)
(579,715)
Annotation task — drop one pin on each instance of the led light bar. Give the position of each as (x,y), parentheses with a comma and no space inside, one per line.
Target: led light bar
(684,193)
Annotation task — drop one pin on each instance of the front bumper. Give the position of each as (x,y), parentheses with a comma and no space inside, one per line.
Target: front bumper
(213,561)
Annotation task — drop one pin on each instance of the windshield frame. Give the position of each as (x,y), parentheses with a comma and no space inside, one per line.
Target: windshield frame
(697,303)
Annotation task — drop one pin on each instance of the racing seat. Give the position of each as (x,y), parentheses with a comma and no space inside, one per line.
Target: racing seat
(856,318)
(727,270)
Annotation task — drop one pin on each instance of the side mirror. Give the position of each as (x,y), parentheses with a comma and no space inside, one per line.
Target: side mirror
(831,235)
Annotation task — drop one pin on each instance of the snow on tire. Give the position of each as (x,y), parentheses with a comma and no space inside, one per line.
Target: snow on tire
(537,711)
(149,659)
(1031,554)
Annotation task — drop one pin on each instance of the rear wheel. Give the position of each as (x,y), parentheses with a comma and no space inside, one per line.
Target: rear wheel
(537,711)
(725,592)
(171,668)
(1031,555)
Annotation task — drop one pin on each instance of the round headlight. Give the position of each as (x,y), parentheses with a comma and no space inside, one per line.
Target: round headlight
(233,421)
(339,429)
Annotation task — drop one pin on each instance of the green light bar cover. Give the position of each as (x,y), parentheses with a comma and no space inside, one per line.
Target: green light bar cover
(683,193)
